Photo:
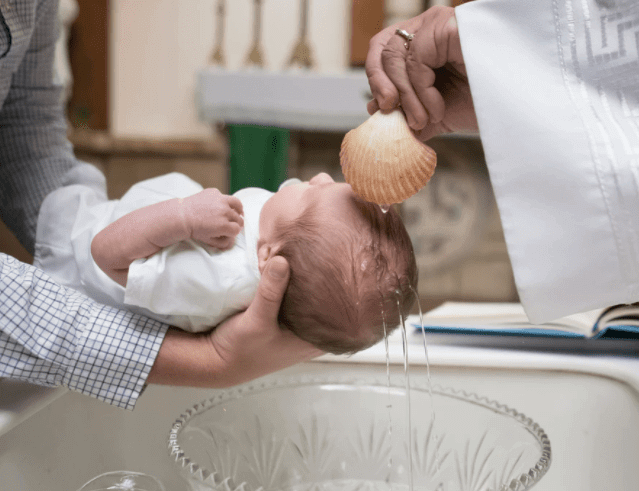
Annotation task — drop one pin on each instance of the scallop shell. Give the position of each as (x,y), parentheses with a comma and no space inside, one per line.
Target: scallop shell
(383,161)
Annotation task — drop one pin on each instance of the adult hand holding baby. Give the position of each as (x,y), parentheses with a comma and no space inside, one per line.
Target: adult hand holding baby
(245,346)
(426,75)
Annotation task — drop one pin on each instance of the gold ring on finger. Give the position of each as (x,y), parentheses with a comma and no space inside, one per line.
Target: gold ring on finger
(407,36)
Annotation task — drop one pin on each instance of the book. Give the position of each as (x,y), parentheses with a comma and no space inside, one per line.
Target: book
(509,319)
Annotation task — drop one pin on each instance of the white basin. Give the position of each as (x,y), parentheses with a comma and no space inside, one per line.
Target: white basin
(588,406)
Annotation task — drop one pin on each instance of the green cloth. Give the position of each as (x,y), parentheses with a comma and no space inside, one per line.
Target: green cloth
(258,156)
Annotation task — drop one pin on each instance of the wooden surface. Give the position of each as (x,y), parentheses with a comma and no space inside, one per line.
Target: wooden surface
(367,20)
(104,144)
(88,106)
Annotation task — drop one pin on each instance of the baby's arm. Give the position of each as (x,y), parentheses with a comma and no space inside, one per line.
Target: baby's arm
(208,216)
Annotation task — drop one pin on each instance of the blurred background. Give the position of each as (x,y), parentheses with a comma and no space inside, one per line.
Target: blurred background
(135,90)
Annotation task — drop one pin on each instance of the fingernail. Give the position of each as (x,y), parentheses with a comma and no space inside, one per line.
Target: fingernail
(277,268)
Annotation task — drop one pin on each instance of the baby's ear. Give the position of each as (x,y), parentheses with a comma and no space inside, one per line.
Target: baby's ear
(264,253)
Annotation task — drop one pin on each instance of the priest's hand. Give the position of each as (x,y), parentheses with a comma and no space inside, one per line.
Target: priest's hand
(425,75)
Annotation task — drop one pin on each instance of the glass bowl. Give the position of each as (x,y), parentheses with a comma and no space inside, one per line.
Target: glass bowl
(123,481)
(327,434)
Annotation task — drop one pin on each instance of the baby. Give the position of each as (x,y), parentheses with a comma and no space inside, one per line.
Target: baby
(192,257)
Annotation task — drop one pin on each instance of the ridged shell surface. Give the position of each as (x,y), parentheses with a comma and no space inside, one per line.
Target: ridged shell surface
(383,161)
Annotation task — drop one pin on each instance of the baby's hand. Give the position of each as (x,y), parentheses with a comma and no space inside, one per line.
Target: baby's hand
(213,218)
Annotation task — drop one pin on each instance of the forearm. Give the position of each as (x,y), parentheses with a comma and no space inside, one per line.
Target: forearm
(51,335)
(186,359)
(137,235)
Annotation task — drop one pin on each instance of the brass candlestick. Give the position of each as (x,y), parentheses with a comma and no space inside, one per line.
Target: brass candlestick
(255,57)
(217,57)
(302,55)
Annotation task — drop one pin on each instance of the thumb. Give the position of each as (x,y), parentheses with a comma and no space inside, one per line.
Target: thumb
(455,55)
(267,301)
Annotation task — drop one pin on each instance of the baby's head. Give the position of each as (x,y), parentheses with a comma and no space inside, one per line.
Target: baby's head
(353,269)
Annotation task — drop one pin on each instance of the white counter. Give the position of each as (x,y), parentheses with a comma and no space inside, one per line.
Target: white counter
(587,404)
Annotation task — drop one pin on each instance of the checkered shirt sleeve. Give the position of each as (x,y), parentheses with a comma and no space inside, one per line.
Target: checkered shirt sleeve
(51,335)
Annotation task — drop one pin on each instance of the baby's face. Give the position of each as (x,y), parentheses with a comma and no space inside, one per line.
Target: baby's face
(334,200)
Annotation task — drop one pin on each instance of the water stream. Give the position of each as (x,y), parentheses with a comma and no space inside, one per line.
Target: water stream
(409,438)
(389,405)
(428,379)
(408,405)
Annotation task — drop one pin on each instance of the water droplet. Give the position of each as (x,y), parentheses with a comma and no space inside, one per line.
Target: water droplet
(385,208)
(364,264)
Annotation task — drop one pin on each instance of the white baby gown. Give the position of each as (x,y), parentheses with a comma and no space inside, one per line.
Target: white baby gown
(189,284)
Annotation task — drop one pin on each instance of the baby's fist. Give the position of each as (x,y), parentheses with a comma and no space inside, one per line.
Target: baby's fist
(213,218)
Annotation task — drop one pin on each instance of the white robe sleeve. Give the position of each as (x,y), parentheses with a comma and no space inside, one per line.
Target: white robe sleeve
(69,218)
(555,85)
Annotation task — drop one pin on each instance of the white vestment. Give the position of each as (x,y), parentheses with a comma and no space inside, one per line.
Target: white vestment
(555,84)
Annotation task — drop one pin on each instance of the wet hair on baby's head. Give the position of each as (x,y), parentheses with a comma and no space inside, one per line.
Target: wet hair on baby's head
(349,281)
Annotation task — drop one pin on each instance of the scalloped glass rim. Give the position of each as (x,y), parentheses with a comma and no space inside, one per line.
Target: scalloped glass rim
(210,477)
